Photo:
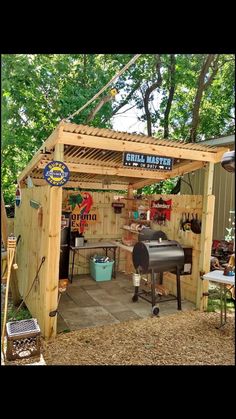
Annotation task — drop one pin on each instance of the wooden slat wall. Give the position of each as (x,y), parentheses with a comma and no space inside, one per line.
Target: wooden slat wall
(108,228)
(38,240)
(224,191)
(180,204)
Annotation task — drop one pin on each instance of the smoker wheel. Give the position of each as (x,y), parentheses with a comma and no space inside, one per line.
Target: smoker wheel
(135,298)
(155,310)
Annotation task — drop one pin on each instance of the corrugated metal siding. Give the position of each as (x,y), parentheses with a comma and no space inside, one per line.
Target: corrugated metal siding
(224,191)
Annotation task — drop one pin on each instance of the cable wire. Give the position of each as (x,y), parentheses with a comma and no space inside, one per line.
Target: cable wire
(105,87)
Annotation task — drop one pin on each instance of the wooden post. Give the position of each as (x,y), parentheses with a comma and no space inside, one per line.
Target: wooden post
(53,252)
(59,152)
(206,237)
(50,290)
(128,262)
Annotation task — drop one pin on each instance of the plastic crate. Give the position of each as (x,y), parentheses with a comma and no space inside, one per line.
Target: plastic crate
(23,339)
(101,271)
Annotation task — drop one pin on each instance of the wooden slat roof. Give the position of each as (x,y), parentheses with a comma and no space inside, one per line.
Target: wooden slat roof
(94,153)
(118,135)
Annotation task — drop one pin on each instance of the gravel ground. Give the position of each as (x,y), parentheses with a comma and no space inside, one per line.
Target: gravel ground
(189,338)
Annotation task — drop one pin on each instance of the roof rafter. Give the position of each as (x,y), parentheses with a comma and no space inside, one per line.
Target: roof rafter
(91,141)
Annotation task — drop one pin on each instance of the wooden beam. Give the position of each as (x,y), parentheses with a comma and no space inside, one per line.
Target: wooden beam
(47,145)
(180,170)
(220,154)
(30,166)
(206,237)
(91,141)
(110,171)
(185,168)
(86,185)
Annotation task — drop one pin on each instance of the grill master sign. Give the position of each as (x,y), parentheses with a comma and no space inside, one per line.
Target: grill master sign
(147,161)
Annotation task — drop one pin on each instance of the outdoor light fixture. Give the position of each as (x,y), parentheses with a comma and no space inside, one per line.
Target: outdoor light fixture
(228,161)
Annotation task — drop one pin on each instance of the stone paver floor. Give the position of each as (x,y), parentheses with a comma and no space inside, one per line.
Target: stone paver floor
(88,303)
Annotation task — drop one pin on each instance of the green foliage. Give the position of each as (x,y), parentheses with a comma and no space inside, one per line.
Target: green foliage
(164,187)
(214,300)
(75,200)
(22,314)
(39,90)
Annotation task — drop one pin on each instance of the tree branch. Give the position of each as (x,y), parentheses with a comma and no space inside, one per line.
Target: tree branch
(126,100)
(102,102)
(202,85)
(148,92)
(171,95)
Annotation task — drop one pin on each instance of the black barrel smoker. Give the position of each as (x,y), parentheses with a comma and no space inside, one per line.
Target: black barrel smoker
(158,256)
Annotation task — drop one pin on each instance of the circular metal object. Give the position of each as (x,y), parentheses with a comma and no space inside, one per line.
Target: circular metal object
(155,310)
(164,256)
(228,161)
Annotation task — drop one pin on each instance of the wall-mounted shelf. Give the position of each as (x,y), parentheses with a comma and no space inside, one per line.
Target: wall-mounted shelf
(135,199)
(140,221)
(130,230)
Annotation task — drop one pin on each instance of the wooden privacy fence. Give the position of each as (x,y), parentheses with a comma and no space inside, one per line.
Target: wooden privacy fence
(108,226)
(192,205)
(40,237)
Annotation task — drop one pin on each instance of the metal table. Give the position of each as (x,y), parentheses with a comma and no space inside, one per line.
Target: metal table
(223,280)
(98,245)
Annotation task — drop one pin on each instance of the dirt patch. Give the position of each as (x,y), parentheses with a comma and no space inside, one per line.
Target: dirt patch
(189,338)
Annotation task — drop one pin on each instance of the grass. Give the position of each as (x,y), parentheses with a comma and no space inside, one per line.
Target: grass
(12,313)
(22,314)
(214,301)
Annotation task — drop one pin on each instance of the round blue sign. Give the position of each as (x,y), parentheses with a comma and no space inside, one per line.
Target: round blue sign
(56,173)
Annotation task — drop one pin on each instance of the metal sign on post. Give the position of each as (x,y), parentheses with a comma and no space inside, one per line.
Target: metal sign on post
(56,173)
(18,197)
(147,161)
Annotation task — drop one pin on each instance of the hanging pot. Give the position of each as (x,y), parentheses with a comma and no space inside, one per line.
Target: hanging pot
(181,222)
(196,225)
(187,224)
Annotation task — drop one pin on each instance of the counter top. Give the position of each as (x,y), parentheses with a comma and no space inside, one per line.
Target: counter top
(218,276)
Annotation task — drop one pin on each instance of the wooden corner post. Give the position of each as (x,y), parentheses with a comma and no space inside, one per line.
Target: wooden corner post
(206,237)
(54,222)
(129,262)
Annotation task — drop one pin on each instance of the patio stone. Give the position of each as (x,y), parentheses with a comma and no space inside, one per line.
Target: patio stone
(102,297)
(81,297)
(125,315)
(88,317)
(88,303)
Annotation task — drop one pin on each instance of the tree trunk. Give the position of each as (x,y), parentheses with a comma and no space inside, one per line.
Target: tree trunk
(148,92)
(171,95)
(147,112)
(98,107)
(212,59)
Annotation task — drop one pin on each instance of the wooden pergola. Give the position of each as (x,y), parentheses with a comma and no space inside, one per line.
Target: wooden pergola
(94,157)
(93,153)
